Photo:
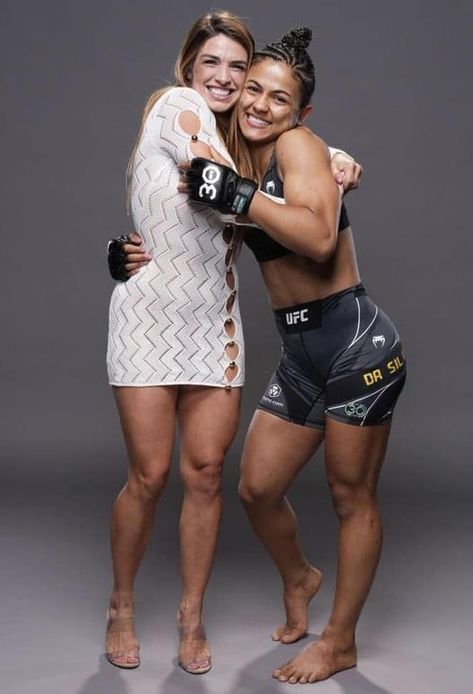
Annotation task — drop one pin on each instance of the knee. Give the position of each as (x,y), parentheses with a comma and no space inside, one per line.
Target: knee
(349,499)
(148,484)
(252,494)
(203,476)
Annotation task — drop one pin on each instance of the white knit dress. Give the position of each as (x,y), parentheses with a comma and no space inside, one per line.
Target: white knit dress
(173,322)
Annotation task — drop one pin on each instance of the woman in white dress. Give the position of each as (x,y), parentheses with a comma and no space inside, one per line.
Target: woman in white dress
(175,330)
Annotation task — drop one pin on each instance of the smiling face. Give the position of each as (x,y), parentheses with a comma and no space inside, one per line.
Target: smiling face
(218,72)
(270,102)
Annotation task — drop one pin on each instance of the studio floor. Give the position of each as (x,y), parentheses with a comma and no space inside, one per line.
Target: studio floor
(414,636)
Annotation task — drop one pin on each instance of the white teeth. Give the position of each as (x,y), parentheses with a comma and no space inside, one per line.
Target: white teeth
(220,92)
(257,121)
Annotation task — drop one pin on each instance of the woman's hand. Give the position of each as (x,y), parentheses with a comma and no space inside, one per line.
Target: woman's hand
(211,154)
(126,256)
(347,172)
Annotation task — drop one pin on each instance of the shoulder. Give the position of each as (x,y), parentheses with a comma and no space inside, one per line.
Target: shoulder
(298,142)
(182,97)
(173,103)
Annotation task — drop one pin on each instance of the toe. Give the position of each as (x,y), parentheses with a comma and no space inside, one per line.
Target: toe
(279,671)
(292,636)
(195,665)
(286,673)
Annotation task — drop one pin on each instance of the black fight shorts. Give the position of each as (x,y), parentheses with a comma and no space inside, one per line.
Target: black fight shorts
(341,358)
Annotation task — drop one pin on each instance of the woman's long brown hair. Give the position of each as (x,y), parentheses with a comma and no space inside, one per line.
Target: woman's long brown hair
(208,26)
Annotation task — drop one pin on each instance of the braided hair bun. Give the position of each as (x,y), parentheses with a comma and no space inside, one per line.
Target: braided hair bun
(297,39)
(291,49)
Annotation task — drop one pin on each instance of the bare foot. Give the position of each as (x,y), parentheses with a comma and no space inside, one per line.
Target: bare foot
(122,648)
(296,600)
(194,653)
(318,661)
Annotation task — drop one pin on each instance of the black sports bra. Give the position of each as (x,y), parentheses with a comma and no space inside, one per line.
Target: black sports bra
(258,241)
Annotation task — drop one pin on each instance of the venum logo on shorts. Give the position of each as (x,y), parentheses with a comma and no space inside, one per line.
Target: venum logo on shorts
(297,316)
(270,187)
(355,409)
(378,341)
(274,390)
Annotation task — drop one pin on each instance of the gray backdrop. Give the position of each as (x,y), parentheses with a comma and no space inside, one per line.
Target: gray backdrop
(393,89)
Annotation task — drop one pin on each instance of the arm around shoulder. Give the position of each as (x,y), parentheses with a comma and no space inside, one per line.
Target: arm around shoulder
(308,223)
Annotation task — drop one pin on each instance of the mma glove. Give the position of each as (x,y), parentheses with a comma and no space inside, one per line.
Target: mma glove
(117,258)
(219,187)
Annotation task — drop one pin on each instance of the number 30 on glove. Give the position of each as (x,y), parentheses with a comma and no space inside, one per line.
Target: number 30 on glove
(219,187)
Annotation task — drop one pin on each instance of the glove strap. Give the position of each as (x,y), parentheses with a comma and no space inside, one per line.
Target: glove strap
(245,191)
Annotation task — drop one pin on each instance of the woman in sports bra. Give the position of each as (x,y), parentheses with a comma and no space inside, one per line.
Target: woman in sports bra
(342,365)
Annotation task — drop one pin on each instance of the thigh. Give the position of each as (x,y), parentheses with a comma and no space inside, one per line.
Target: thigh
(208,421)
(148,419)
(353,454)
(275,451)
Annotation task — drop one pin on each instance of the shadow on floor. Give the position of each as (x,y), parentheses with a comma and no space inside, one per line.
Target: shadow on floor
(256,676)
(108,680)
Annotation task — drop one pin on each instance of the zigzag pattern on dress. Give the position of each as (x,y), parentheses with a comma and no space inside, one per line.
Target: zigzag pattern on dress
(166,323)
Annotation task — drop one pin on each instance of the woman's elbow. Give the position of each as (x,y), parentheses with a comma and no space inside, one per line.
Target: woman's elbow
(324,247)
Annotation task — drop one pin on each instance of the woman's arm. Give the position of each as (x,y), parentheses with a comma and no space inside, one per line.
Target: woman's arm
(308,223)
(181,126)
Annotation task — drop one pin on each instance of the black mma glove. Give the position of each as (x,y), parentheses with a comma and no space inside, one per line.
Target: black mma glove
(219,187)
(117,258)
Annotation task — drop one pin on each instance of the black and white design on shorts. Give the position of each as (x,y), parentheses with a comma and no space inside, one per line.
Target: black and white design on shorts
(358,335)
(361,407)
(294,317)
(344,362)
(274,390)
(378,341)
(270,187)
(355,409)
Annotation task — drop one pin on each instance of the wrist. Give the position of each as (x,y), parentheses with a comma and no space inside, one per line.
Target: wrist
(244,194)
(334,151)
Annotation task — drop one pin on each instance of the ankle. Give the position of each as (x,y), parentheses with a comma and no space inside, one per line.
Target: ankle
(299,578)
(190,609)
(121,601)
(341,638)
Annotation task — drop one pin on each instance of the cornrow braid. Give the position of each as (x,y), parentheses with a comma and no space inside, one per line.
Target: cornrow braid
(291,50)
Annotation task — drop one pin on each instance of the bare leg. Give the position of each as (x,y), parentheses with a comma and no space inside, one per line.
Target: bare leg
(275,451)
(208,420)
(354,456)
(148,420)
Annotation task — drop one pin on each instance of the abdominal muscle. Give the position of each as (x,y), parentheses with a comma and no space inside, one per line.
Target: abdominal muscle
(294,279)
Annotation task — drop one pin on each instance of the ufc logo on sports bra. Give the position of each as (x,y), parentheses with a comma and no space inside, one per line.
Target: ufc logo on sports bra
(211,175)
(297,317)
